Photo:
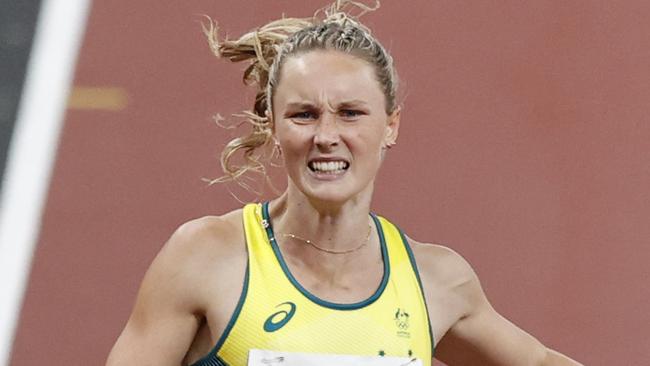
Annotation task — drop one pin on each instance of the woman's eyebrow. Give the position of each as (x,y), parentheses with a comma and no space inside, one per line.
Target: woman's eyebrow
(344,104)
(353,103)
(300,105)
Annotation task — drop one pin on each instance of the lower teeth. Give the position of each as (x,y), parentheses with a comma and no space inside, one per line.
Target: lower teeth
(329,171)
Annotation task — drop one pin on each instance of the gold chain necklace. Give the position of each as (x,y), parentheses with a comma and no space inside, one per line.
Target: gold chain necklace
(363,244)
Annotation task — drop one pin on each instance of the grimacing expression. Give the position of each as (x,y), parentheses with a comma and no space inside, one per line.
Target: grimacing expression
(331,124)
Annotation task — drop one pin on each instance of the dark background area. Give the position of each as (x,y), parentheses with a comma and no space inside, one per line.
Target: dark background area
(17,26)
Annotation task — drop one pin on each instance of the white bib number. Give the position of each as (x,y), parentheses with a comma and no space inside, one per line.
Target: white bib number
(258,357)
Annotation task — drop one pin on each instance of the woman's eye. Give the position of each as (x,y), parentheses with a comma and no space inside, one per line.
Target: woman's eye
(303,115)
(350,113)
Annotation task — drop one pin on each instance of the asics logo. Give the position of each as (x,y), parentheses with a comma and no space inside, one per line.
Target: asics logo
(281,317)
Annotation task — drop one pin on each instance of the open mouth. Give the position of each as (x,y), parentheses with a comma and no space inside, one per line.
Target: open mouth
(328,167)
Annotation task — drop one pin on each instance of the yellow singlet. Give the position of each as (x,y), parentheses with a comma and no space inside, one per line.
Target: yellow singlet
(276,313)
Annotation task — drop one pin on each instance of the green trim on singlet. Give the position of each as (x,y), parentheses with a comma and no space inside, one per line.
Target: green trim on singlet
(417,275)
(328,304)
(212,359)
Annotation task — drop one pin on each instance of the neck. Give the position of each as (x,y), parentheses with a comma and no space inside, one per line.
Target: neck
(335,226)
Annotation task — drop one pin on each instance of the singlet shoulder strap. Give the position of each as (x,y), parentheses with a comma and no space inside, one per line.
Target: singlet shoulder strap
(404,266)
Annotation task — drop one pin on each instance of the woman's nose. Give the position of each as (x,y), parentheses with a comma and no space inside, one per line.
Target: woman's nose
(327,132)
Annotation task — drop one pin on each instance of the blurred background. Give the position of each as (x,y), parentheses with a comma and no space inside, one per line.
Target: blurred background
(525,146)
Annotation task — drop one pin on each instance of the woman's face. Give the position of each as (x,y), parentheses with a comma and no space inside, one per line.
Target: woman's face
(330,122)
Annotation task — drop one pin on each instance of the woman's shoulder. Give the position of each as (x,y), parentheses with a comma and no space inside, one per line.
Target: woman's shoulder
(195,253)
(213,229)
(208,237)
(449,283)
(440,264)
(196,267)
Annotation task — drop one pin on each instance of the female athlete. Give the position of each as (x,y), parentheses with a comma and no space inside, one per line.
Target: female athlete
(313,271)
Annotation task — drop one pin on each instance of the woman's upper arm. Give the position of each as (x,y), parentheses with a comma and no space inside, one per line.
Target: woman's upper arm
(485,337)
(477,334)
(168,308)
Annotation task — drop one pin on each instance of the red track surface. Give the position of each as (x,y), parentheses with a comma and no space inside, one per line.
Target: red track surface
(524,146)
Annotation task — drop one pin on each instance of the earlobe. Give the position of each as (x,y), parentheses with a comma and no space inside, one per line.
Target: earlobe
(269,119)
(277,149)
(392,128)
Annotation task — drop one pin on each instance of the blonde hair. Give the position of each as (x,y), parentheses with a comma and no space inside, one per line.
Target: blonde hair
(335,27)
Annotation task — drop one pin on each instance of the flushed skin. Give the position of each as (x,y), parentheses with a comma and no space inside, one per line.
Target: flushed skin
(327,107)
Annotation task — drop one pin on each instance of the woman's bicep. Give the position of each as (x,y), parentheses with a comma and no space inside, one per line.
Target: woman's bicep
(166,314)
(163,342)
(483,336)
(472,332)
(487,338)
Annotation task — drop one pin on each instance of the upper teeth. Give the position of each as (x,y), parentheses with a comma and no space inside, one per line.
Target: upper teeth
(328,166)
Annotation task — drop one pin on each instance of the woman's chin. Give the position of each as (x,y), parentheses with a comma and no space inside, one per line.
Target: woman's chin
(329,190)
(332,194)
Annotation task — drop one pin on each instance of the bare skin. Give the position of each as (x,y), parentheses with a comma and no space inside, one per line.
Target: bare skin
(328,107)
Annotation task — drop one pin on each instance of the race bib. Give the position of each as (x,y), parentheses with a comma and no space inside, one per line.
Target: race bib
(258,357)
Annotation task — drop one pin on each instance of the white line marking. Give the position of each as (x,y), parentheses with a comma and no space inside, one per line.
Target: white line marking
(32,151)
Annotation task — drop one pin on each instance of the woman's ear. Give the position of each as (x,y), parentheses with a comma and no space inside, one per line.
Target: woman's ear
(392,128)
(269,118)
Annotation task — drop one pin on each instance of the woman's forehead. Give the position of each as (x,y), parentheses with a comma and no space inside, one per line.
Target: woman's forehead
(327,74)
(304,63)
